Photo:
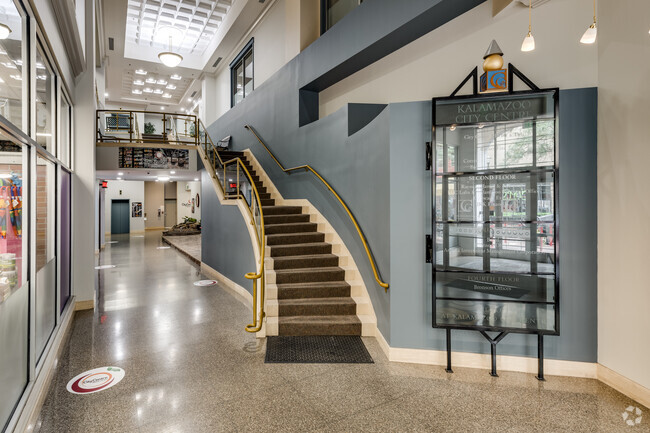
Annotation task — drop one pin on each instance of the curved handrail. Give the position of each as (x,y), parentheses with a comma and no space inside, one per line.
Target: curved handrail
(307,167)
(217,163)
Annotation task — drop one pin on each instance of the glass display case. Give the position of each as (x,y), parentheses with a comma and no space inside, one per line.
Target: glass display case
(494,213)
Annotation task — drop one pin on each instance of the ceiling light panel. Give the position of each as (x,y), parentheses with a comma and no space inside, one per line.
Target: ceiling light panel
(191,17)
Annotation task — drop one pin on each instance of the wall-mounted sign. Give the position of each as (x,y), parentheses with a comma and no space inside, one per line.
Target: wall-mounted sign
(130,157)
(96,380)
(136,209)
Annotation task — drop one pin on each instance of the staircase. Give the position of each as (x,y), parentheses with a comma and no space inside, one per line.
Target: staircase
(313,297)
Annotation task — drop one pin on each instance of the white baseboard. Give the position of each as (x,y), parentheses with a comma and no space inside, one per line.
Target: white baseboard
(235,289)
(624,385)
(552,367)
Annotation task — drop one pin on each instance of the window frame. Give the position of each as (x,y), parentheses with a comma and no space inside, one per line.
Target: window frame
(324,22)
(237,61)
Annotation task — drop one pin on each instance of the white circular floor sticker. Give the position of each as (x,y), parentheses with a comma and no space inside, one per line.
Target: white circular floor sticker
(96,380)
(204,283)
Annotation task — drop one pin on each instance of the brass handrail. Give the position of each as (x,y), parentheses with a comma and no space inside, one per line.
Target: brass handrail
(307,167)
(130,130)
(216,163)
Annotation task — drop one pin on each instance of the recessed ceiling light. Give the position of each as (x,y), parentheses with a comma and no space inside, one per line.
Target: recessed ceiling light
(17,77)
(136,91)
(106,94)
(147,90)
(44,77)
(163,178)
(43,134)
(158,91)
(120,174)
(175,77)
(138,83)
(172,172)
(162,108)
(189,99)
(1,80)
(162,82)
(171,87)
(17,62)
(141,72)
(167,96)
(39,65)
(9,65)
(119,178)
(151,80)
(196,179)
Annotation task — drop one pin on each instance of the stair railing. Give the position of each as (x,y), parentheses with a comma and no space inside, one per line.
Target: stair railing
(236,183)
(307,167)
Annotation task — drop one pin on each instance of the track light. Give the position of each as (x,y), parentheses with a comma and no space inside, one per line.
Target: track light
(529,40)
(589,37)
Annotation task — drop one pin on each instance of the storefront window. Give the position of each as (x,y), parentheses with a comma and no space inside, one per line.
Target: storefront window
(13,75)
(65,131)
(45,248)
(44,102)
(14,292)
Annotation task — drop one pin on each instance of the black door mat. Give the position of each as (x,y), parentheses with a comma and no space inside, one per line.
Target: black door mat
(317,349)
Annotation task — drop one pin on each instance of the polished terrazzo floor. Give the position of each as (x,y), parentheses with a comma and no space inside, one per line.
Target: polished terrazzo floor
(191,367)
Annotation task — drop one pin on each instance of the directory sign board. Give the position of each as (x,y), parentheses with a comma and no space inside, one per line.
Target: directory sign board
(494,227)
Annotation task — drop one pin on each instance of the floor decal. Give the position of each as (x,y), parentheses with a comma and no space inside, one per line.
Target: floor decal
(105,266)
(95,380)
(204,283)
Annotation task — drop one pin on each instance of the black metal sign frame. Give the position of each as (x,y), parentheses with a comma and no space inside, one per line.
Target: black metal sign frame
(502,331)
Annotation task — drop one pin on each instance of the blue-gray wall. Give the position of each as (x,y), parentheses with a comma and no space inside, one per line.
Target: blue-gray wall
(225,243)
(379,171)
(410,221)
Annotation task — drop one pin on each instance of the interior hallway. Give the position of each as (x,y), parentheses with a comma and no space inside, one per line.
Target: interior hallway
(191,367)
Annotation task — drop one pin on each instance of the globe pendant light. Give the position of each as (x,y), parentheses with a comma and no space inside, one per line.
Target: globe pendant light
(169,58)
(589,37)
(529,40)
(4,31)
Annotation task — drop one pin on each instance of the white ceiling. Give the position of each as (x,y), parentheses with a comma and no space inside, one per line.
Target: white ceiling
(196,23)
(147,175)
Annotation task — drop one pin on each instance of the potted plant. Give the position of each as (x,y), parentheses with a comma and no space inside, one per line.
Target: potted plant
(149,128)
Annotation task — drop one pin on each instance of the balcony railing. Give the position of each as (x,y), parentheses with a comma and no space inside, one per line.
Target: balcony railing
(141,128)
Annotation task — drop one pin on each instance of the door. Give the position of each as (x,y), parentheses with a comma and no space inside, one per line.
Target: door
(120,218)
(170,212)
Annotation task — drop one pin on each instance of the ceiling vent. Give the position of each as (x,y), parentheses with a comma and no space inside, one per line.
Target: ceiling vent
(111,44)
(214,65)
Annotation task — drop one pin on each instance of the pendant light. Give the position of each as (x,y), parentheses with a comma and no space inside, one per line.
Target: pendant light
(589,37)
(4,31)
(529,40)
(169,58)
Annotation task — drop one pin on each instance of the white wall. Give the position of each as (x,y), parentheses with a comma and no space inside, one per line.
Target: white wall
(125,190)
(274,47)
(184,200)
(437,62)
(623,185)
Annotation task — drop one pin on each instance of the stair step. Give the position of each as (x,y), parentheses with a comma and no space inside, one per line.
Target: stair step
(298,249)
(267,201)
(319,325)
(280,210)
(317,307)
(309,275)
(300,227)
(264,196)
(323,289)
(294,238)
(305,261)
(284,219)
